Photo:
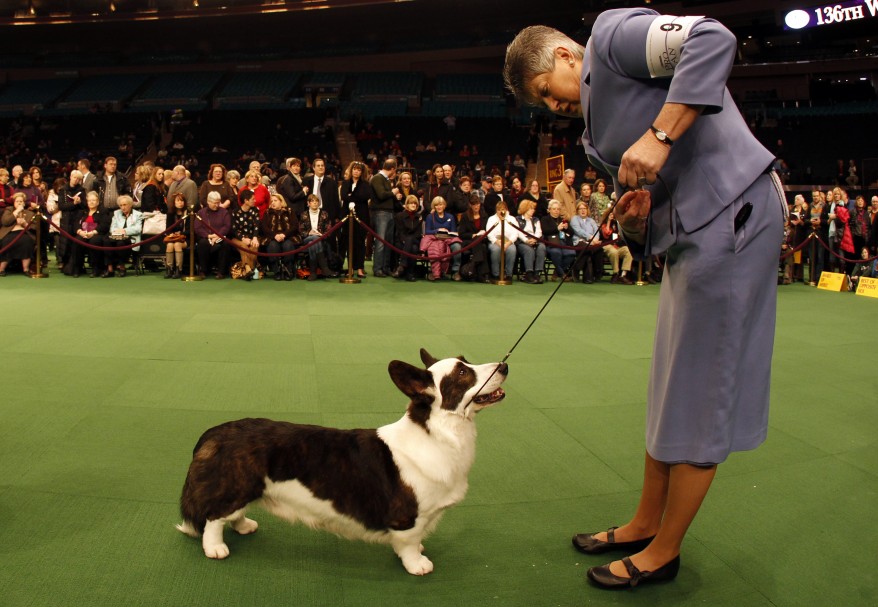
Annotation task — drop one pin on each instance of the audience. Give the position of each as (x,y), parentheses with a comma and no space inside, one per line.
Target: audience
(440,239)
(503,233)
(212,226)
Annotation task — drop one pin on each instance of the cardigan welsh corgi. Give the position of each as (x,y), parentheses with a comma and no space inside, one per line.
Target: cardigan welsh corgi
(389,485)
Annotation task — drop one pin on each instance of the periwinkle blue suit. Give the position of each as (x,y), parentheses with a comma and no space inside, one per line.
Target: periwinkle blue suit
(709,381)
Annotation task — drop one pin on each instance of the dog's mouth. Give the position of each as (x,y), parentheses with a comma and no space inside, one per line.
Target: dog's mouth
(489,399)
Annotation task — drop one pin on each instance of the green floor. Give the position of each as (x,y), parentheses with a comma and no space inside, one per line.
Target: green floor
(107,384)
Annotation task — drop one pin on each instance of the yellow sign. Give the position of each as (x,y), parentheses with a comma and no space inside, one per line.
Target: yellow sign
(867,286)
(554,171)
(832,281)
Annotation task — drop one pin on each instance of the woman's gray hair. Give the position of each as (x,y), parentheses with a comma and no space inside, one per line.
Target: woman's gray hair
(214,195)
(533,53)
(554,203)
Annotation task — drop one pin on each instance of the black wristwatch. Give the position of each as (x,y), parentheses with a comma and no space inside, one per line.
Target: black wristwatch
(661,135)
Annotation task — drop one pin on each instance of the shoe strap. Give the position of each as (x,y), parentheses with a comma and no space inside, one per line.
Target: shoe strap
(633,571)
(611,535)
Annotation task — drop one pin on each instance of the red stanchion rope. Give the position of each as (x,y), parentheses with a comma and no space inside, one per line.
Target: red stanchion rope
(95,247)
(797,248)
(14,240)
(390,246)
(836,255)
(288,253)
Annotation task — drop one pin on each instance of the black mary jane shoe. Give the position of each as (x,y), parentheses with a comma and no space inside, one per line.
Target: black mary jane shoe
(604,578)
(586,543)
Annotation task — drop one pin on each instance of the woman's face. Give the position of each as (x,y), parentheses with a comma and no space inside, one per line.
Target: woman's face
(18,203)
(36,175)
(555,211)
(179,202)
(92,202)
(26,180)
(160,175)
(406,180)
(439,174)
(411,206)
(296,169)
(4,179)
(356,172)
(440,207)
(252,180)
(498,186)
(476,207)
(861,202)
(275,204)
(217,174)
(313,204)
(125,207)
(529,212)
(602,187)
(583,210)
(516,184)
(233,181)
(534,187)
(830,196)
(559,89)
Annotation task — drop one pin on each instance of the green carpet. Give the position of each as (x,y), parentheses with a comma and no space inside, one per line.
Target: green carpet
(107,384)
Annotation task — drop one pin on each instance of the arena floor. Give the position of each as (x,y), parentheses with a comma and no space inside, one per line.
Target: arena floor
(108,384)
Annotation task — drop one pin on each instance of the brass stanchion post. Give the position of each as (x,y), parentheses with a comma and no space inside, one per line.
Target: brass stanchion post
(640,282)
(350,278)
(192,276)
(38,272)
(501,280)
(811,281)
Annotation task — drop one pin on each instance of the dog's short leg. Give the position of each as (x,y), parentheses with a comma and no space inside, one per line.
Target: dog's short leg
(408,549)
(212,540)
(244,525)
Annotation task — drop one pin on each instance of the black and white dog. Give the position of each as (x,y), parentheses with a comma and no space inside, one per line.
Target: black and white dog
(388,485)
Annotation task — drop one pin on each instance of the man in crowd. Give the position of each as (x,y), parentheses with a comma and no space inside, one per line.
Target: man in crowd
(110,185)
(386,197)
(566,194)
(184,185)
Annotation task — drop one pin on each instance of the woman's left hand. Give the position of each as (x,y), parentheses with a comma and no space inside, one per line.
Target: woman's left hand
(631,212)
(642,161)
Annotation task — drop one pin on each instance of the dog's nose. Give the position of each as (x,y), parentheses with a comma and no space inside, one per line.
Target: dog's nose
(503,368)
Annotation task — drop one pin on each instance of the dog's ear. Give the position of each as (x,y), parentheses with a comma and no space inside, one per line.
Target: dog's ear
(428,360)
(411,380)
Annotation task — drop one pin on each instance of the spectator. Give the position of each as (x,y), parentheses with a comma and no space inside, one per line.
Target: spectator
(313,224)
(616,249)
(599,202)
(92,226)
(125,229)
(292,188)
(280,234)
(531,251)
(13,220)
(440,239)
(152,196)
(385,198)
(110,186)
(212,225)
(6,190)
(472,227)
(88,178)
(356,192)
(71,201)
(216,182)
(590,261)
(261,195)
(177,238)
(556,230)
(409,228)
(502,230)
(566,194)
(535,193)
(180,182)
(498,194)
(245,229)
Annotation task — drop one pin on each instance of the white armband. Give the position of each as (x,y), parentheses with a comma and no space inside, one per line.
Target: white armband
(663,41)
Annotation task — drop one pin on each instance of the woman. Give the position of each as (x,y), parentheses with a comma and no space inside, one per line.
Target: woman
(291,187)
(32,195)
(71,201)
(245,229)
(471,228)
(798,222)
(590,262)
(280,234)
(176,238)
(409,229)
(530,249)
(616,249)
(860,223)
(501,240)
(599,202)
(516,191)
(440,238)
(535,193)
(436,187)
(709,337)
(313,224)
(355,195)
(141,176)
(497,194)
(92,225)
(6,190)
(557,231)
(233,177)
(216,182)
(36,176)
(125,229)
(14,219)
(261,195)
(152,195)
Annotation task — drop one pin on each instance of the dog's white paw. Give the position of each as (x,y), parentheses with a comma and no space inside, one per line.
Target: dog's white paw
(418,566)
(216,551)
(245,526)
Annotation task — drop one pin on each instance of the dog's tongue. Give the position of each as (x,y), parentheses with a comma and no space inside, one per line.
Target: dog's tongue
(490,398)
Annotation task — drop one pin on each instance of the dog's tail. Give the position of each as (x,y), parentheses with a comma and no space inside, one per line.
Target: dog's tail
(187,528)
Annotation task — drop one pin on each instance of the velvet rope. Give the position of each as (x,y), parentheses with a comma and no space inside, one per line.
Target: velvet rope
(798,247)
(14,240)
(288,253)
(471,245)
(845,259)
(126,247)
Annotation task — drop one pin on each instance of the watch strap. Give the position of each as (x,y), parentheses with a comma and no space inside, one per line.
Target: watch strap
(661,135)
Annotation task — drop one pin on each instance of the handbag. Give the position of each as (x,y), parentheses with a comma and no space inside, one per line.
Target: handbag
(175,237)
(154,223)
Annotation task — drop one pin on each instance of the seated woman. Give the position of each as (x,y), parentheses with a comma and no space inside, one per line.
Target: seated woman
(212,225)
(125,229)
(502,240)
(176,239)
(409,230)
(472,227)
(616,249)
(280,234)
(313,224)
(14,219)
(92,226)
(530,249)
(590,261)
(440,238)
(557,231)
(245,229)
